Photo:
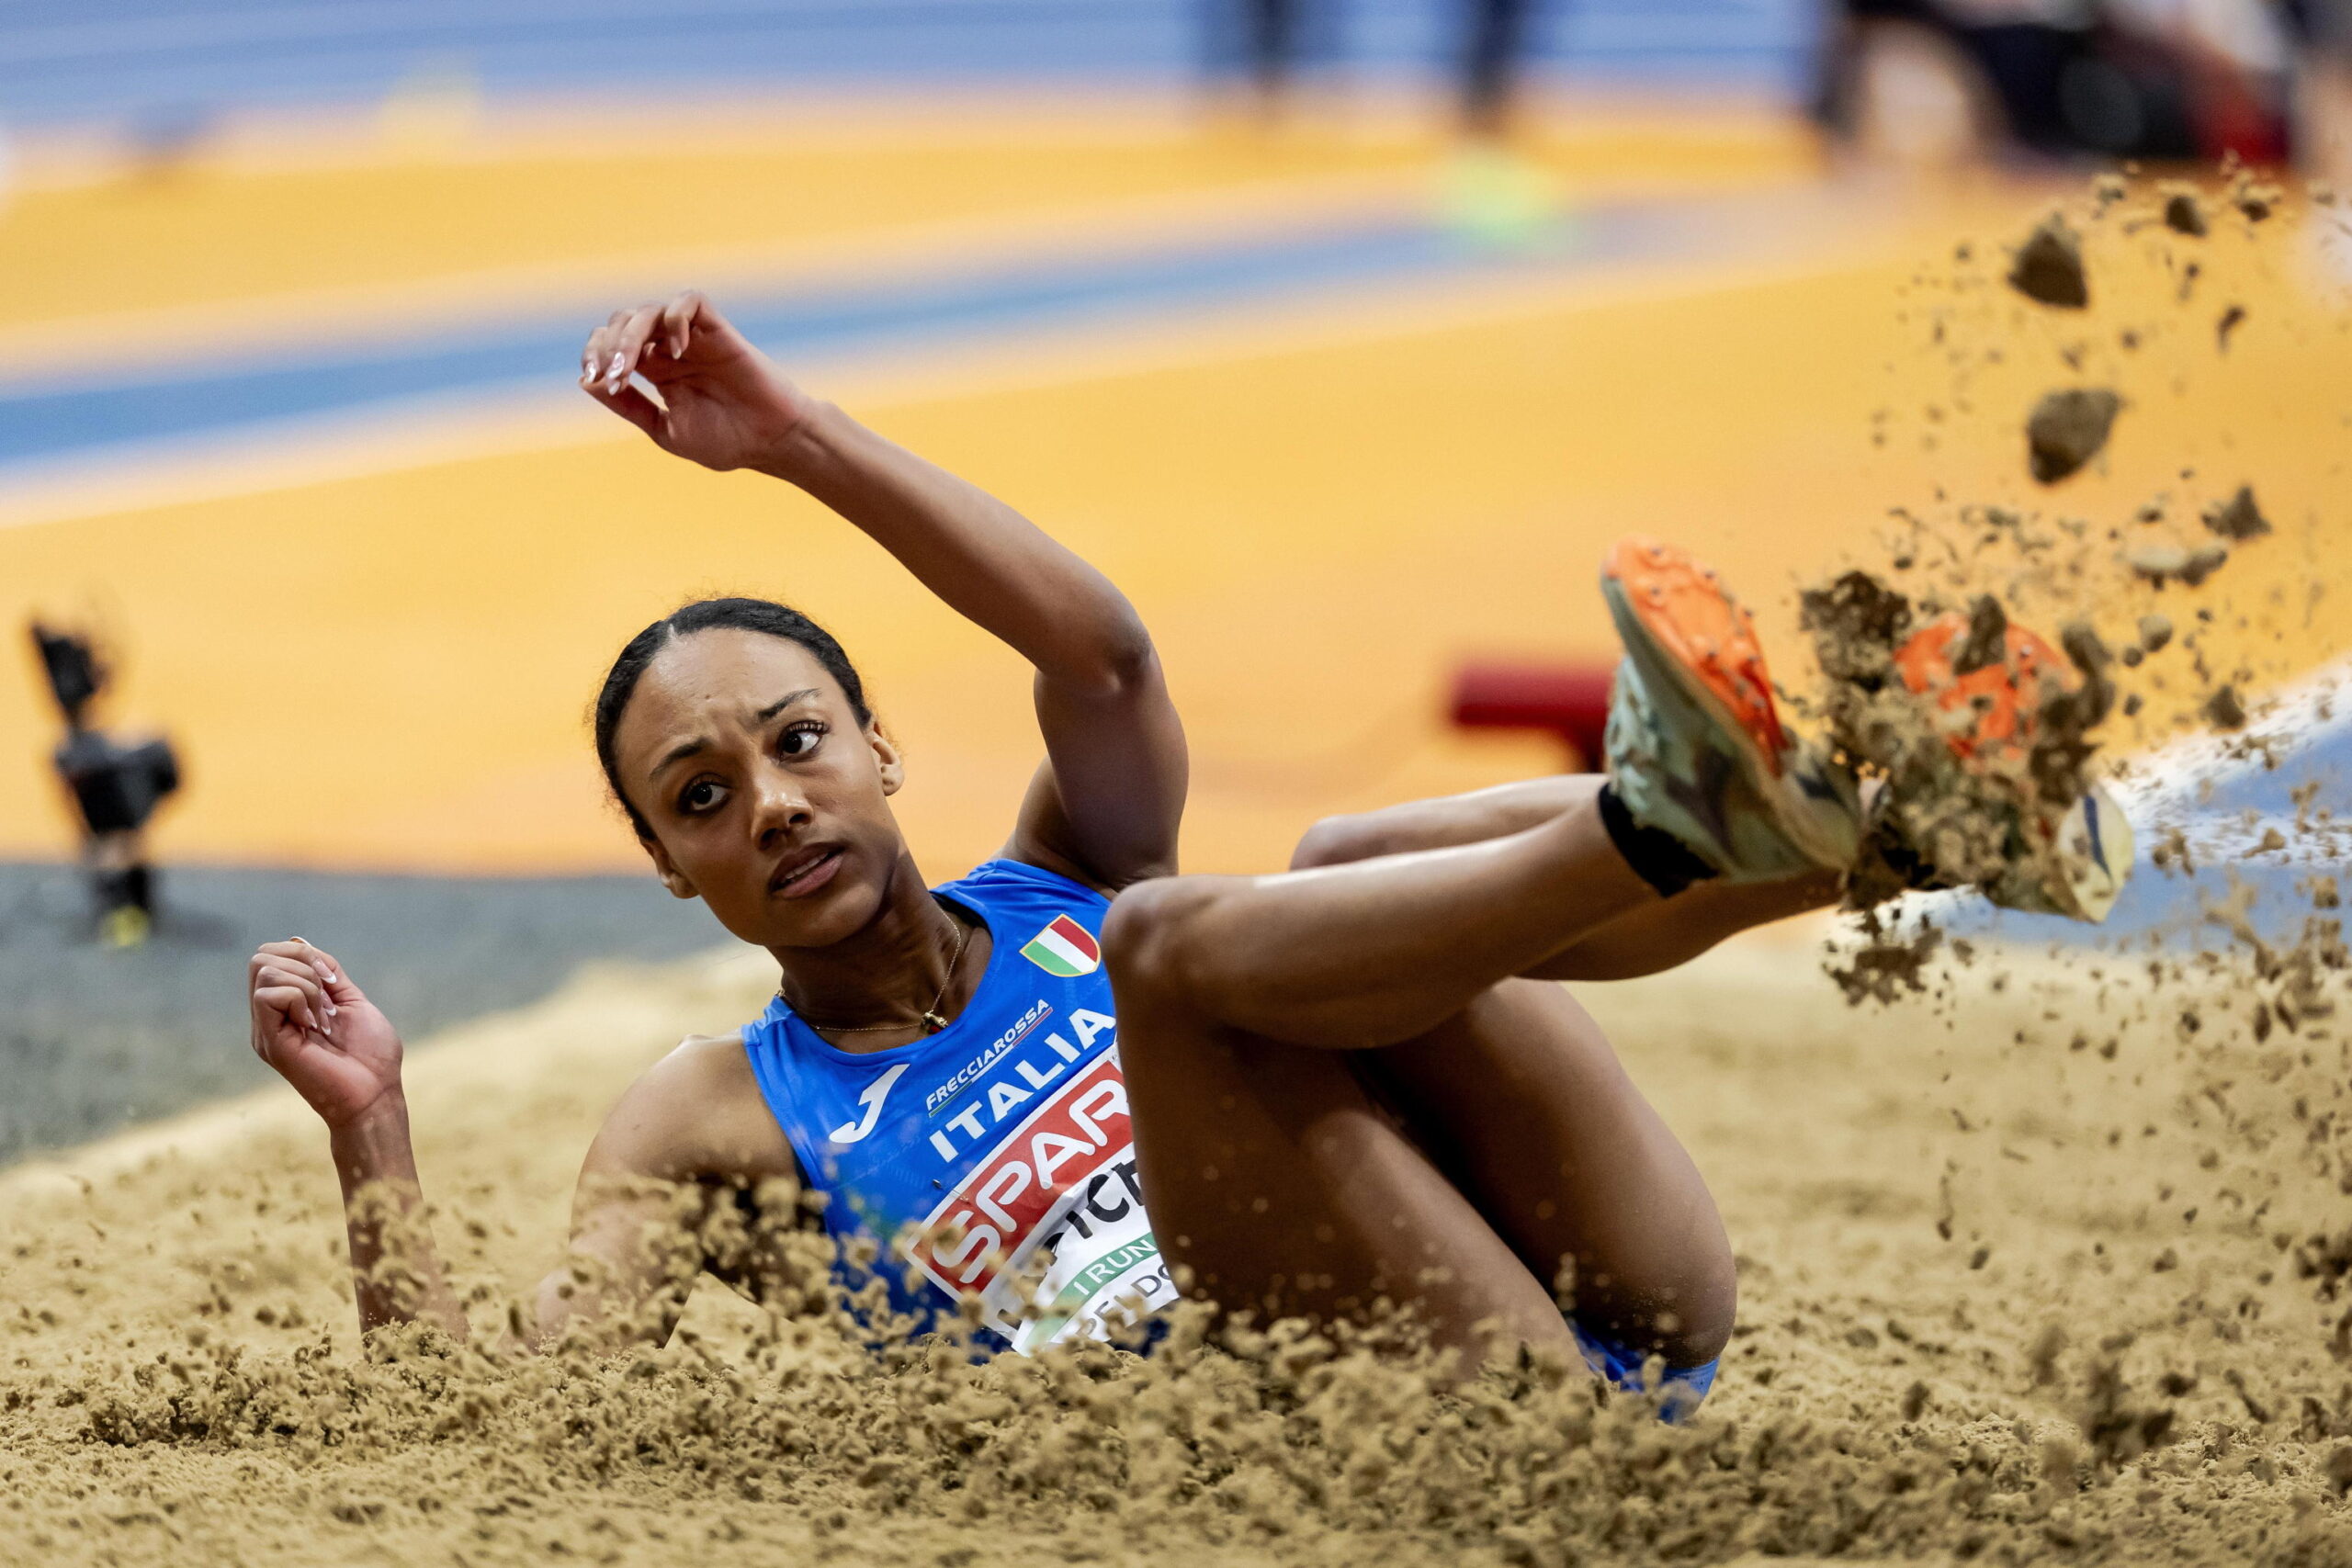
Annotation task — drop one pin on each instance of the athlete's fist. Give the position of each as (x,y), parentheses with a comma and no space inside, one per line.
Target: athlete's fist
(322,1034)
(723,403)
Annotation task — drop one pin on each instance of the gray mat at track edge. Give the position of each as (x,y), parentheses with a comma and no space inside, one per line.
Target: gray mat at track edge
(93,1039)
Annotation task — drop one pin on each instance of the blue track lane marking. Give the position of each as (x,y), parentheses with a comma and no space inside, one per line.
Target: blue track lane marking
(48,418)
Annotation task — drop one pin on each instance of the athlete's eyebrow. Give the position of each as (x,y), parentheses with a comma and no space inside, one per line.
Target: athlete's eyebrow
(781,704)
(678,754)
(700,743)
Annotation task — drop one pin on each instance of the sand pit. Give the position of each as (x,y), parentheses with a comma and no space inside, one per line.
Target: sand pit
(2030,1269)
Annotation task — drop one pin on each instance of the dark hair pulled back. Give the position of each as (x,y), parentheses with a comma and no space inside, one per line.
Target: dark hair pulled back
(762,616)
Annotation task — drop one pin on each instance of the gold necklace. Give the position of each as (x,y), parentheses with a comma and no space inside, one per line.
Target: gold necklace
(933,1022)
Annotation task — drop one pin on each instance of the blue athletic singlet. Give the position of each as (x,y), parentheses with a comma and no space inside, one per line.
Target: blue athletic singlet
(1002,1137)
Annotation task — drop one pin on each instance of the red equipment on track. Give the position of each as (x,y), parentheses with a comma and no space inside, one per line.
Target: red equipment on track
(1570,701)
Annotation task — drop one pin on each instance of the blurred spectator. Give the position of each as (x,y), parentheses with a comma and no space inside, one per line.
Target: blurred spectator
(1261,41)
(2324,89)
(1494,195)
(2159,79)
(1266,43)
(1492,52)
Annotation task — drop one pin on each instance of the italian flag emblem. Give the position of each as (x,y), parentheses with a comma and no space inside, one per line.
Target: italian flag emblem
(1065,949)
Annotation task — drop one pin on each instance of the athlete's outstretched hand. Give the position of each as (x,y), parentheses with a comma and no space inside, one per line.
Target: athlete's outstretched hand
(320,1033)
(723,403)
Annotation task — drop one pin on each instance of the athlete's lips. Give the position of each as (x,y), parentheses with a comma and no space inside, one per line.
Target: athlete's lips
(803,874)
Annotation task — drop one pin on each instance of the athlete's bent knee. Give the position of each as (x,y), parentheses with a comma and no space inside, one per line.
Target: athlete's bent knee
(1147,933)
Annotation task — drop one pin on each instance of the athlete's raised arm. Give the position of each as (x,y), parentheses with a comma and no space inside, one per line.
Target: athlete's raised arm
(1104,809)
(634,1252)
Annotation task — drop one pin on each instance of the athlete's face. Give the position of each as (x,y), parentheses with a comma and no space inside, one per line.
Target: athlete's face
(767,800)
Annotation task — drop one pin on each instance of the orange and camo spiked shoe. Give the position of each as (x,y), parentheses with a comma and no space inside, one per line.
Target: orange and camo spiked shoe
(1989,705)
(1696,747)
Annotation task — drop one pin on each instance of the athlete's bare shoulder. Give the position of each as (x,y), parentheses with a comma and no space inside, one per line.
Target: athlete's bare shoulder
(697,1114)
(712,1049)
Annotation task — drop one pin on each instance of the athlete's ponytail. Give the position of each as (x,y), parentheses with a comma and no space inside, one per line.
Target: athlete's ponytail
(706,615)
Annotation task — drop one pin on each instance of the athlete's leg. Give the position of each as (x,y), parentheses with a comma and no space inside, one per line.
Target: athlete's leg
(1444,819)
(1281,1178)
(1268,1168)
(1520,1101)
(1373,952)
(1677,929)
(1644,939)
(1272,1171)
(1280,1185)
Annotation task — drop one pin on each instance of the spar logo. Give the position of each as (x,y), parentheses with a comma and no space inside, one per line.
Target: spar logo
(1064,948)
(1037,1173)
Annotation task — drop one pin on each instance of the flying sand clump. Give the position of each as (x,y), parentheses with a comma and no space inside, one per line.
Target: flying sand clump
(2067,429)
(1946,817)
(2238,519)
(2049,267)
(2159,564)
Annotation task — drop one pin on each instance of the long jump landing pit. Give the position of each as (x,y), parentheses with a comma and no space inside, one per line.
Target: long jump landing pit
(2003,1299)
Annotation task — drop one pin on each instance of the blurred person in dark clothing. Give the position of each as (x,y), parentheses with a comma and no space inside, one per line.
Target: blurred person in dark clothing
(1262,41)
(1493,52)
(2161,79)
(1267,42)
(2323,89)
